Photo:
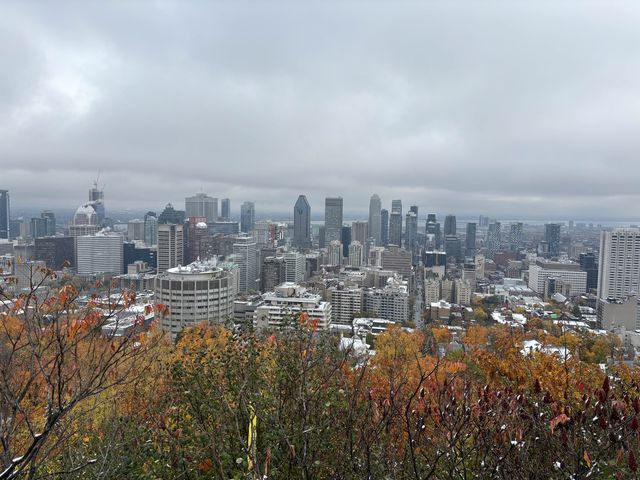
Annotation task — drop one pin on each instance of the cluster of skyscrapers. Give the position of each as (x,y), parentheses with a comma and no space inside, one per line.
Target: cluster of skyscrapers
(417,255)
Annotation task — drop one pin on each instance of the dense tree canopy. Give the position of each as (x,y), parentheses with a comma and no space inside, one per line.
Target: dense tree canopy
(293,404)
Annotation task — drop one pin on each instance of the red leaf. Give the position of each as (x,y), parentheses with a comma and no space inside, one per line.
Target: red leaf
(605,385)
(633,464)
(559,420)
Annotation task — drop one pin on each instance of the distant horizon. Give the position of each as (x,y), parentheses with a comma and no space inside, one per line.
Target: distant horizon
(348,216)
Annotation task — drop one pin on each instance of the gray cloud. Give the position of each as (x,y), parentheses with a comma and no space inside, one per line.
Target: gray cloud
(507,108)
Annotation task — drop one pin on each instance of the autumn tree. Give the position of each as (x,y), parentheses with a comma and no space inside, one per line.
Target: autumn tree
(56,358)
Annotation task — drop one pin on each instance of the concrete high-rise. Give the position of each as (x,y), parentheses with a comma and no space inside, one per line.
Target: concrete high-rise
(135,229)
(375,220)
(619,263)
(272,273)
(247,217)
(334,253)
(295,267)
(170,246)
(470,240)
(99,253)
(5,214)
(245,256)
(619,273)
(552,237)
(356,254)
(225,208)
(199,292)
(201,205)
(302,223)
(396,206)
(332,219)
(384,229)
(359,231)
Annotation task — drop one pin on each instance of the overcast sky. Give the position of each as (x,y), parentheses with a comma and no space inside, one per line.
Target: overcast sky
(509,109)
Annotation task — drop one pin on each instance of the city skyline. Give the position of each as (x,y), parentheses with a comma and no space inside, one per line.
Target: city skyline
(498,119)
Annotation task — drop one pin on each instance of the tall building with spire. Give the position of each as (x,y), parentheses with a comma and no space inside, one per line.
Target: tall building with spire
(96,197)
(302,223)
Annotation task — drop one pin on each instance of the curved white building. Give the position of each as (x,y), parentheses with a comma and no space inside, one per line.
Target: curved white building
(199,292)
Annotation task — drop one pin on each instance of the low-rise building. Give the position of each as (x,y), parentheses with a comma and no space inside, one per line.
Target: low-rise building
(286,302)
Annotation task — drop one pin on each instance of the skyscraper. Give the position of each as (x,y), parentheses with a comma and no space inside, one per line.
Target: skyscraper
(332,219)
(515,237)
(359,231)
(494,239)
(433,233)
(411,231)
(226,209)
(384,229)
(375,221)
(334,253)
(356,254)
(395,223)
(450,225)
(346,240)
(247,217)
(5,214)
(99,253)
(202,205)
(171,215)
(395,228)
(170,246)
(470,241)
(552,237)
(619,263)
(50,222)
(302,223)
(244,255)
(588,264)
(150,228)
